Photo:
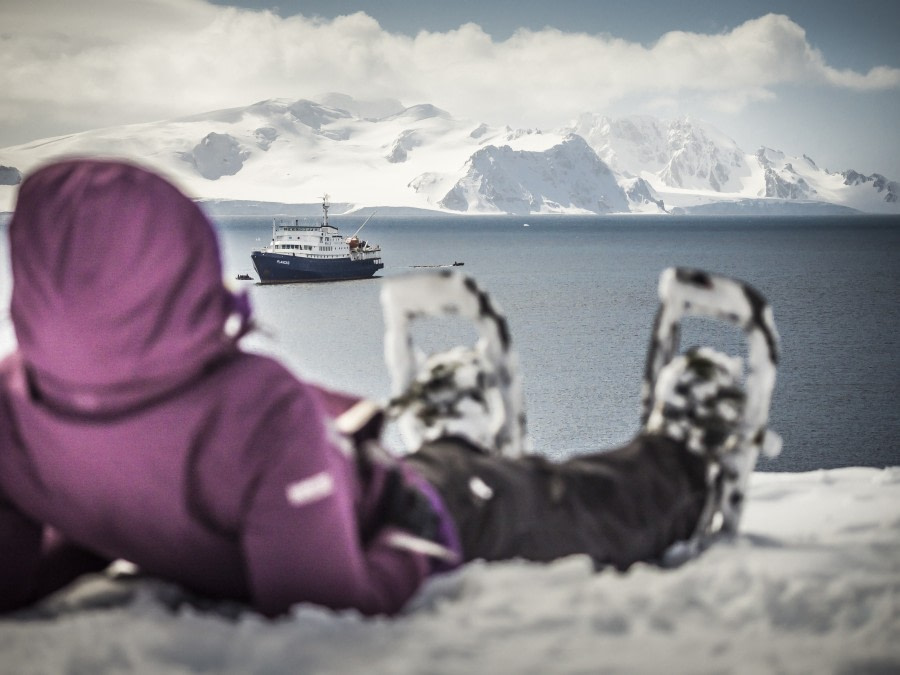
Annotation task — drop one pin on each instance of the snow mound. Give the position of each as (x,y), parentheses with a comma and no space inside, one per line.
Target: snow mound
(810,585)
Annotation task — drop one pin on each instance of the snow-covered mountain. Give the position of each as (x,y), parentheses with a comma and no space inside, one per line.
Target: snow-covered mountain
(380,153)
(569,177)
(800,178)
(691,165)
(680,154)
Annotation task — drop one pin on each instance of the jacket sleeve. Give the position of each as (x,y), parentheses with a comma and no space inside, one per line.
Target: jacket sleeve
(35,559)
(301,534)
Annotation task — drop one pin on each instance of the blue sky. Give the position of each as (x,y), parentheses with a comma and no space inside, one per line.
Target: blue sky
(858,33)
(810,77)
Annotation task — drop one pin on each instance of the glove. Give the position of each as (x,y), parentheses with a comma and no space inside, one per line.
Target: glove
(406,507)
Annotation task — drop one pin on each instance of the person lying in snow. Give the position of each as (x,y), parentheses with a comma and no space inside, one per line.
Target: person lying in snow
(132,426)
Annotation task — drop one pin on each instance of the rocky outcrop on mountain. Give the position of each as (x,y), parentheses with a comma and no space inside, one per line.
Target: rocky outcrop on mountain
(265,136)
(479,131)
(641,194)
(10,175)
(785,188)
(217,155)
(315,115)
(782,180)
(782,188)
(402,145)
(890,189)
(702,160)
(568,177)
(628,145)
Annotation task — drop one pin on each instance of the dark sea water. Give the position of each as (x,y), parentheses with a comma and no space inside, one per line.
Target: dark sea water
(580,296)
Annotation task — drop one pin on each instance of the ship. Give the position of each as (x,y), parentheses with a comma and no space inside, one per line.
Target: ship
(315,252)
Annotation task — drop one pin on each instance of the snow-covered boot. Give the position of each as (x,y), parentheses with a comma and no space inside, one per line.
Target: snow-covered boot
(468,392)
(704,399)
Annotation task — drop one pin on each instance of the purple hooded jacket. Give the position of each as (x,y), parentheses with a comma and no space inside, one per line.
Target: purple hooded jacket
(132,425)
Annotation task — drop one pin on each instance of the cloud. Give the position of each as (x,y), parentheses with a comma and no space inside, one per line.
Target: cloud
(877,79)
(103,62)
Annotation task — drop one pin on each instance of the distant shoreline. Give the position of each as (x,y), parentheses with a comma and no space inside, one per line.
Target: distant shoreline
(742,207)
(749,208)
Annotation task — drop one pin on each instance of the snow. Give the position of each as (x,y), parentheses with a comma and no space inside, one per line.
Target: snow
(810,585)
(814,183)
(690,163)
(382,154)
(567,178)
(682,153)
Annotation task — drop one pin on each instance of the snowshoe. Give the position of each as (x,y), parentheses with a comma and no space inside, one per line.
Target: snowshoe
(470,392)
(703,398)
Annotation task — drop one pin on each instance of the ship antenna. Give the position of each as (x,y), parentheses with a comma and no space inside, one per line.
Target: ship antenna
(364,223)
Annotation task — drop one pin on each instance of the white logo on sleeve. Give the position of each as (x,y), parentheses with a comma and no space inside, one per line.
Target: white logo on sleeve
(309,490)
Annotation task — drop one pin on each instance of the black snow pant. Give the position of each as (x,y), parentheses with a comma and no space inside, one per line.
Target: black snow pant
(619,507)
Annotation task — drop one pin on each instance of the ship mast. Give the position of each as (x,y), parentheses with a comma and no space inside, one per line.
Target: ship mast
(325,207)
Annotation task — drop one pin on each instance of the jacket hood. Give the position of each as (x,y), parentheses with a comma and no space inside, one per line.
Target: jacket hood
(118,294)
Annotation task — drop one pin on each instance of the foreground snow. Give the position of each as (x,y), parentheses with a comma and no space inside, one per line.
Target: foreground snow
(811,585)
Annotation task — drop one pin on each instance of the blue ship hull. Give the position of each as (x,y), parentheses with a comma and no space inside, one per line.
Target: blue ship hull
(276,268)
